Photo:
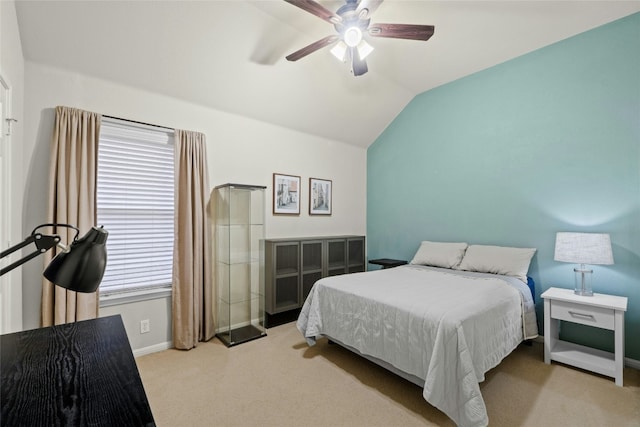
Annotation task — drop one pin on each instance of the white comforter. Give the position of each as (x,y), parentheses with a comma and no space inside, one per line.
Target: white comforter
(443,327)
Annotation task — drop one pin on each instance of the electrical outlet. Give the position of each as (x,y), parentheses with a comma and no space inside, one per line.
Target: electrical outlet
(144,326)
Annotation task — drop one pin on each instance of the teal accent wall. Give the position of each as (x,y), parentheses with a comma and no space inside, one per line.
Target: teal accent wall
(546,142)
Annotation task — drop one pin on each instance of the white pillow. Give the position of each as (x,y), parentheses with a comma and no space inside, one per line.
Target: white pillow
(439,254)
(498,260)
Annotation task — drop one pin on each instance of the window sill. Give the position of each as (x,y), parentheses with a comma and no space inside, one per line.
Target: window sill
(134,296)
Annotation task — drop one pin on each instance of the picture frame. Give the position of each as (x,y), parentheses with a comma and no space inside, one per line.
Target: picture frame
(320,196)
(286,194)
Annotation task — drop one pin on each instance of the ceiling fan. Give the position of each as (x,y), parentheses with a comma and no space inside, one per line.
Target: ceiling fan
(352,21)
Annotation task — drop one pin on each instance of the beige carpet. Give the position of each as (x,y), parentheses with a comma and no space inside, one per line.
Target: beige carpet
(279,381)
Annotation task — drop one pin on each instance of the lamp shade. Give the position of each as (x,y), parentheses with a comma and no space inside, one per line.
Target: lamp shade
(340,50)
(81,268)
(583,248)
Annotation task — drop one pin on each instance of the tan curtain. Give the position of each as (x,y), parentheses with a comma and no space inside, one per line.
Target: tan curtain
(192,284)
(72,200)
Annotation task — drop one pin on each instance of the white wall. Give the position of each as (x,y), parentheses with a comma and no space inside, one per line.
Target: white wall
(240,150)
(12,71)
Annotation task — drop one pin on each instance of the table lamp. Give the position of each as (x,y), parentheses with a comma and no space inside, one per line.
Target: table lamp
(583,248)
(79,267)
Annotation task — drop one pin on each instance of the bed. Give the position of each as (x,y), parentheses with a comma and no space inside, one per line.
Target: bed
(442,321)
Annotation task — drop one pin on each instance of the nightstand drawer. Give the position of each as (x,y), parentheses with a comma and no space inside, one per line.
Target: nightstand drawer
(587,315)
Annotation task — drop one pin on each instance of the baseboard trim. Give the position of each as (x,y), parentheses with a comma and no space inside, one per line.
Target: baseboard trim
(153,349)
(632,363)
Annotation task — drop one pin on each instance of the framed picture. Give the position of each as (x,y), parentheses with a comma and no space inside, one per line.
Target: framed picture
(286,194)
(320,196)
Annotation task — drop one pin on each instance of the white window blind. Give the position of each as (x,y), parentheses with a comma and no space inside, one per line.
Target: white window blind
(135,205)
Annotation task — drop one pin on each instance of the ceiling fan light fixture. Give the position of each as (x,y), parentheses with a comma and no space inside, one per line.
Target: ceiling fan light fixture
(352,36)
(364,49)
(351,21)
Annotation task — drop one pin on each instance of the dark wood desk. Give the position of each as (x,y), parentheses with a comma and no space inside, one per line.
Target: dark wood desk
(78,374)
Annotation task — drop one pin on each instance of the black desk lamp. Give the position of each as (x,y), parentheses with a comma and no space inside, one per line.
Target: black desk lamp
(79,268)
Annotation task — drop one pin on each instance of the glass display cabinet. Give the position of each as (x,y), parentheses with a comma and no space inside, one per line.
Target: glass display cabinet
(238,231)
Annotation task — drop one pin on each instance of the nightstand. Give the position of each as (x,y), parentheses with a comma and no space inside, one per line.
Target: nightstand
(387,262)
(600,311)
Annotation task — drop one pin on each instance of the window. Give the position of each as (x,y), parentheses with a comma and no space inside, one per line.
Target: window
(135,205)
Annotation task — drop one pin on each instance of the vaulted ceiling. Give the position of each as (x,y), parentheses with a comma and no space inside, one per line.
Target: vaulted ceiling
(229,55)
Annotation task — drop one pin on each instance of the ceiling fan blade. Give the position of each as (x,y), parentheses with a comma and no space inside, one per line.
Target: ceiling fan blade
(316,9)
(369,5)
(402,31)
(312,48)
(358,66)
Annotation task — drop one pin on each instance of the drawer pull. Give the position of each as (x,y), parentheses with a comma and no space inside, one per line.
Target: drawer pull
(583,315)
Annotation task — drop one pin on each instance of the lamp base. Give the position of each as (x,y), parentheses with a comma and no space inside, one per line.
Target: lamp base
(583,281)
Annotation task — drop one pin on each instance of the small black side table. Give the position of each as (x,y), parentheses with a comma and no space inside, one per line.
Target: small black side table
(387,262)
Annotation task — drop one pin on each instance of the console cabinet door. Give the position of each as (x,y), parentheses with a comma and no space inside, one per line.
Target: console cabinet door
(336,257)
(282,269)
(312,261)
(355,255)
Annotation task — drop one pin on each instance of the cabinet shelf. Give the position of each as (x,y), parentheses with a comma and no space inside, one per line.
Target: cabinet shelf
(239,260)
(287,304)
(241,335)
(229,299)
(286,272)
(591,359)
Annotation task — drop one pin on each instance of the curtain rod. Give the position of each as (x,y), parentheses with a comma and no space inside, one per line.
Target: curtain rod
(140,123)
